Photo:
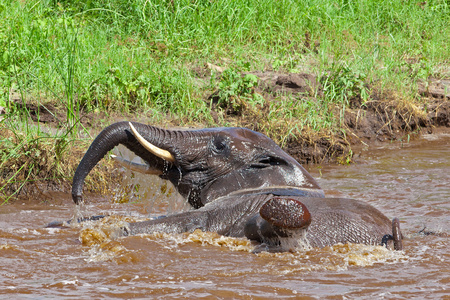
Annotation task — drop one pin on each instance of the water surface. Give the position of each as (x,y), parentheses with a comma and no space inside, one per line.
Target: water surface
(410,182)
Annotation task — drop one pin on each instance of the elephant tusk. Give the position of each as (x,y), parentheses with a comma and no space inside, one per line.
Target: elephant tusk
(161,153)
(141,168)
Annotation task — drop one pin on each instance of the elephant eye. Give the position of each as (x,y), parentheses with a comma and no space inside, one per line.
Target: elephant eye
(220,144)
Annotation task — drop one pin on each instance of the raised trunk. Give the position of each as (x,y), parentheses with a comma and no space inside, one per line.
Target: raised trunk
(112,136)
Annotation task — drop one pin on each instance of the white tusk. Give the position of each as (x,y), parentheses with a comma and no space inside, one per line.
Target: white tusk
(141,168)
(161,153)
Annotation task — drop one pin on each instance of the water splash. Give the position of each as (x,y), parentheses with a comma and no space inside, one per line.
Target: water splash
(101,238)
(338,257)
(296,242)
(215,239)
(203,238)
(149,190)
(77,213)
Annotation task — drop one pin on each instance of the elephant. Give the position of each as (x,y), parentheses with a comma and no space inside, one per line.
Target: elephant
(240,183)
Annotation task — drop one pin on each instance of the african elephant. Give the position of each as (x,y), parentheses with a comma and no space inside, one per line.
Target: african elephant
(240,184)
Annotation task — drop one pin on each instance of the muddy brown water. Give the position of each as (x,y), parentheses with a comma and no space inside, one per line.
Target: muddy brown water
(86,262)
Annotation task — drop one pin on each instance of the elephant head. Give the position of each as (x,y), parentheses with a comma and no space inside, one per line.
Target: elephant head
(203,164)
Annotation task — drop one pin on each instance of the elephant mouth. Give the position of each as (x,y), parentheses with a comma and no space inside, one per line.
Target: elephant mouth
(267,161)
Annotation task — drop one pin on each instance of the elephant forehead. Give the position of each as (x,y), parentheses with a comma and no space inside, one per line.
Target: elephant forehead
(247,134)
(245,138)
(238,134)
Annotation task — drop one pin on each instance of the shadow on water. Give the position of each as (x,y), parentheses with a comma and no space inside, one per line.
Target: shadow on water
(84,261)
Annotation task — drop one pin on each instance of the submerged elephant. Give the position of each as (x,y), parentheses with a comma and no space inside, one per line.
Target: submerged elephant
(240,184)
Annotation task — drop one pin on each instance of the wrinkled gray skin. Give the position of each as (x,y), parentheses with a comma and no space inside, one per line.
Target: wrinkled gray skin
(227,175)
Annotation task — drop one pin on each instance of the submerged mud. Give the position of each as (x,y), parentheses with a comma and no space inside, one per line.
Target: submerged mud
(87,260)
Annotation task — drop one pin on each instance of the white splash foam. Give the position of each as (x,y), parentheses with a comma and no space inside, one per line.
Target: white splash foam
(52,230)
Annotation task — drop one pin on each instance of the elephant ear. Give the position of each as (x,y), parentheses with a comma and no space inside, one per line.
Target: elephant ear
(285,213)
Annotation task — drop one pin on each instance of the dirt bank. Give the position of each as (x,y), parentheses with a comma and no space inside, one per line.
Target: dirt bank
(385,117)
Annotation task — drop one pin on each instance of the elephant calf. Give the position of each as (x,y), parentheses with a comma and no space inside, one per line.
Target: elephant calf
(240,184)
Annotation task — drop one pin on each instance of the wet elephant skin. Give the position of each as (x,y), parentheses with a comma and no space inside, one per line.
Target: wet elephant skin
(240,184)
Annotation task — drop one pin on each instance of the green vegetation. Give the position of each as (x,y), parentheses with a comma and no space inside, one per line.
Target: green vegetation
(237,93)
(143,57)
(27,154)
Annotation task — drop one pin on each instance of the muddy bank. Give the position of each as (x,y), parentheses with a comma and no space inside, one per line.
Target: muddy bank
(384,118)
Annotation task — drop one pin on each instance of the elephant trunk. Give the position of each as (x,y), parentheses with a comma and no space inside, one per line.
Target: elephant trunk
(113,135)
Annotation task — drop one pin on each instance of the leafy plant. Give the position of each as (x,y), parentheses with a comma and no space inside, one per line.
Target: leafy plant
(237,91)
(343,85)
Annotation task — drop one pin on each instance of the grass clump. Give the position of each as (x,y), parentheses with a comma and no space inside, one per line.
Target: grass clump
(33,161)
(30,158)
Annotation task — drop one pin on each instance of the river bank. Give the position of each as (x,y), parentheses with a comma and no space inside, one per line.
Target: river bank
(364,126)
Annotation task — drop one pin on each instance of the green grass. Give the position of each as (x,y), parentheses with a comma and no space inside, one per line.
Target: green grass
(33,160)
(141,56)
(27,155)
(125,55)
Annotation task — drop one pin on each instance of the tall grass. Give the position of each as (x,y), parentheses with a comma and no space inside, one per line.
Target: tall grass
(29,156)
(130,54)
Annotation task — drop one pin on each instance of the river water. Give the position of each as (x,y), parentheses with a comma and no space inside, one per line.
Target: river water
(409,181)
